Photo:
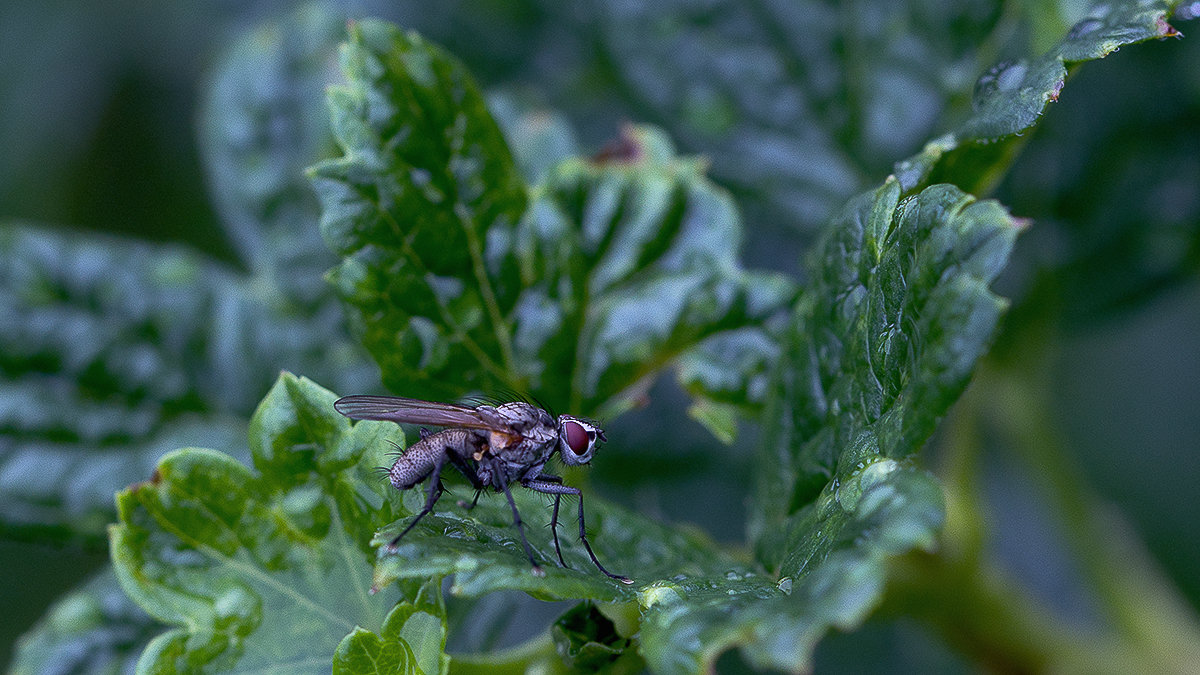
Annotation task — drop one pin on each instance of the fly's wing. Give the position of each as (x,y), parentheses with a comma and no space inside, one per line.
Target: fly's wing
(411,411)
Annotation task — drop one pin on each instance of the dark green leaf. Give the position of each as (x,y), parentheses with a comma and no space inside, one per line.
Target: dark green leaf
(658,245)
(94,629)
(799,104)
(1110,182)
(586,640)
(1011,96)
(614,268)
(426,176)
(115,352)
(263,568)
(833,578)
(882,344)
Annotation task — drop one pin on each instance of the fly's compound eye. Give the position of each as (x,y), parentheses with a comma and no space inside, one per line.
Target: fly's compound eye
(578,438)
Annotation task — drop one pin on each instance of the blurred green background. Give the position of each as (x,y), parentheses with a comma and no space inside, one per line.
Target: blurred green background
(105,125)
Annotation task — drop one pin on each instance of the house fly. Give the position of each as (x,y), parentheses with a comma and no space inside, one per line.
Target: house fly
(495,447)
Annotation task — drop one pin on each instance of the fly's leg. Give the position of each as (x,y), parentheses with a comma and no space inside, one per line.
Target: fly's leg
(474,501)
(554,516)
(549,488)
(467,468)
(435,492)
(537,569)
(554,529)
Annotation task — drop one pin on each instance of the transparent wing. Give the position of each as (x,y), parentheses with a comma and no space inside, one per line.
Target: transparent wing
(410,411)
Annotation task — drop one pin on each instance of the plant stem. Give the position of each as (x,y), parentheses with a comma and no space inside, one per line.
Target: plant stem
(997,621)
(1135,594)
(537,655)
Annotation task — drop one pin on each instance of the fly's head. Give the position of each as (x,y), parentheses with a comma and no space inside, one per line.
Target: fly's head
(577,439)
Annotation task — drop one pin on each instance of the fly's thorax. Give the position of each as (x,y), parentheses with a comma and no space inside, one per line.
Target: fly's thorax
(524,417)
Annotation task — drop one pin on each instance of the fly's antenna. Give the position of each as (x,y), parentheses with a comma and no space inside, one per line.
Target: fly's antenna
(396,452)
(382,471)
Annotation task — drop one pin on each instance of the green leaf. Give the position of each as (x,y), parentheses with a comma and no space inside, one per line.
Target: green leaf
(540,139)
(587,640)
(413,640)
(882,343)
(800,106)
(94,629)
(115,352)
(834,578)
(1011,96)
(481,548)
(119,351)
(457,277)
(426,174)
(1109,186)
(658,244)
(106,362)
(262,122)
(265,567)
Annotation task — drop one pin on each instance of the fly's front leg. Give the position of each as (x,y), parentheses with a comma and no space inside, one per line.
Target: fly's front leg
(537,569)
(435,492)
(550,488)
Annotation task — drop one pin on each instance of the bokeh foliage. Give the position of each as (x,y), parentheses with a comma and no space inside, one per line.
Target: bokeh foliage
(589,246)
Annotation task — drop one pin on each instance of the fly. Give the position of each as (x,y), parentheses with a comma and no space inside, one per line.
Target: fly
(493,446)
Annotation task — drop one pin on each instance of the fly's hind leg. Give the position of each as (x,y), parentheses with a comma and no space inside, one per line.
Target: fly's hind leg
(435,492)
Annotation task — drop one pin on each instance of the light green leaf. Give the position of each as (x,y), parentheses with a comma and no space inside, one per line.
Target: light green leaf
(263,568)
(413,640)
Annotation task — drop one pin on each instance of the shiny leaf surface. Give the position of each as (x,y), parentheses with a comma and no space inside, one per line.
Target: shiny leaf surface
(884,342)
(1011,96)
(575,291)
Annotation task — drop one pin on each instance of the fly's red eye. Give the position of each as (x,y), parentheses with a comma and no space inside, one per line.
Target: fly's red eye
(577,437)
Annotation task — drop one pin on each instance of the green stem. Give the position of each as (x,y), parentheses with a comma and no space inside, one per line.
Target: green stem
(536,655)
(993,620)
(1135,594)
(996,621)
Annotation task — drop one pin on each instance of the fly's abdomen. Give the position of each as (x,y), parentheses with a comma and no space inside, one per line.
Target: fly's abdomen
(418,460)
